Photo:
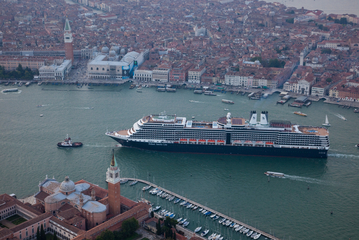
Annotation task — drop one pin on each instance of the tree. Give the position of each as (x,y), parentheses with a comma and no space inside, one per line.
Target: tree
(42,233)
(158,227)
(326,51)
(129,227)
(19,68)
(55,237)
(343,21)
(290,20)
(38,237)
(106,235)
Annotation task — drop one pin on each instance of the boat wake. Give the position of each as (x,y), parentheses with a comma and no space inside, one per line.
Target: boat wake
(340,116)
(307,179)
(340,155)
(98,146)
(193,101)
(84,108)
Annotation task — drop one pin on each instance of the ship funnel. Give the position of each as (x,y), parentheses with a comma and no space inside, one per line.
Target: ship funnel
(264,118)
(253,118)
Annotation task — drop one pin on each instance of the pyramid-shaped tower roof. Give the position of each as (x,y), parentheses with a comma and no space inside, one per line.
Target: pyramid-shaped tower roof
(67,25)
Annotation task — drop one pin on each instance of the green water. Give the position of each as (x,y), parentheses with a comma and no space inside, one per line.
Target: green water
(233,185)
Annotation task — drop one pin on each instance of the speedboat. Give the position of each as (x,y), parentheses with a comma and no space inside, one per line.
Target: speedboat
(213,215)
(238,228)
(156,208)
(177,200)
(133,183)
(146,188)
(216,218)
(257,236)
(195,207)
(197,229)
(205,232)
(222,220)
(183,221)
(185,224)
(274,174)
(179,220)
(249,233)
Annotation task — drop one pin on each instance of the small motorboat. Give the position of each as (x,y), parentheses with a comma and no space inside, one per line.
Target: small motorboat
(67,143)
(300,114)
(274,174)
(357,145)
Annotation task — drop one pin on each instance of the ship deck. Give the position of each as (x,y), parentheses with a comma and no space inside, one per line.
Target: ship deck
(319,131)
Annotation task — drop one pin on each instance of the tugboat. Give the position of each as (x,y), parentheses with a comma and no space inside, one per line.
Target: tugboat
(67,143)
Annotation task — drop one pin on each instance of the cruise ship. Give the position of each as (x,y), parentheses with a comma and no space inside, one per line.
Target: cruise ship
(227,135)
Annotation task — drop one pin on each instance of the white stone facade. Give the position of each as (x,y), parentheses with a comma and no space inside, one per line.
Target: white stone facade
(238,80)
(194,75)
(143,75)
(160,74)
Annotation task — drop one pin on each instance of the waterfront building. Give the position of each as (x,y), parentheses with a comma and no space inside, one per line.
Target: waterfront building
(69,51)
(346,90)
(59,70)
(106,64)
(161,73)
(179,71)
(238,79)
(195,74)
(12,62)
(75,211)
(301,81)
(142,74)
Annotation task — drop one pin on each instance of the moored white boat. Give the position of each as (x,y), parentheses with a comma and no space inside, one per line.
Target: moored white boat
(197,229)
(205,232)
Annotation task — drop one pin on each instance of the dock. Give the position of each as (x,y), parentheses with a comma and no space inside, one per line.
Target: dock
(265,234)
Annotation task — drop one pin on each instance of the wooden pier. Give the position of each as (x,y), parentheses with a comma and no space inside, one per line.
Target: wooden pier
(265,234)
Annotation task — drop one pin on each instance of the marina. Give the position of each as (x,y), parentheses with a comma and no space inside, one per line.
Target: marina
(205,210)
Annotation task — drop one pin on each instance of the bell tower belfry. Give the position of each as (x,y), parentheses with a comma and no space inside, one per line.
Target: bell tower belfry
(113,181)
(69,51)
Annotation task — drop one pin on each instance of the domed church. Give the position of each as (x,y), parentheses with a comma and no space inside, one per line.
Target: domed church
(74,210)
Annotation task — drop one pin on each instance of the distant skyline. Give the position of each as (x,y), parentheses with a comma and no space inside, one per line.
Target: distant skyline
(328,6)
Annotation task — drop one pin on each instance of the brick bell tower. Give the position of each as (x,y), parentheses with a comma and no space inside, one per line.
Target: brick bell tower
(69,51)
(113,181)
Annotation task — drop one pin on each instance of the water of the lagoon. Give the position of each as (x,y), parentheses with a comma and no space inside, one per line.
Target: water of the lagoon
(233,185)
(328,6)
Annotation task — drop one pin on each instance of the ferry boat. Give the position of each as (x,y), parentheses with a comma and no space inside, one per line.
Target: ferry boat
(227,135)
(300,114)
(10,90)
(274,174)
(209,93)
(227,101)
(67,143)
